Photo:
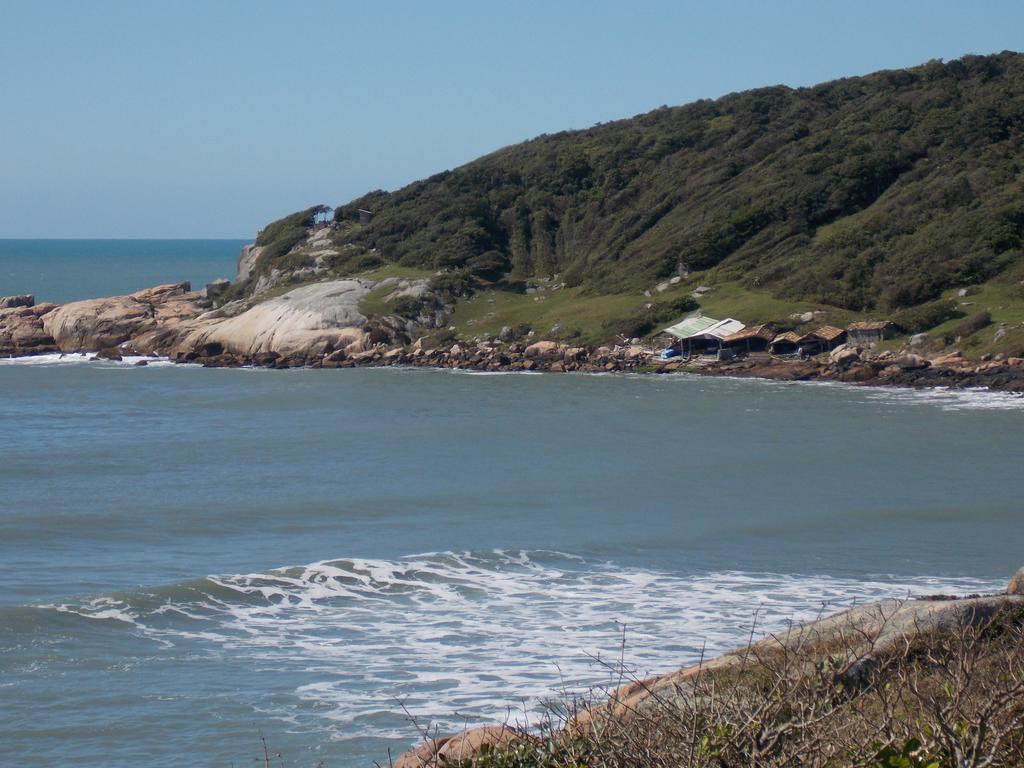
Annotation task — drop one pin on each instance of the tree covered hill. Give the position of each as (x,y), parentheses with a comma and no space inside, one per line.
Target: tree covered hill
(875,192)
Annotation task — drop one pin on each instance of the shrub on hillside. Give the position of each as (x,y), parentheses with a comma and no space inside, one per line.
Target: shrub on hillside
(922,318)
(453,285)
(648,319)
(949,697)
(969,326)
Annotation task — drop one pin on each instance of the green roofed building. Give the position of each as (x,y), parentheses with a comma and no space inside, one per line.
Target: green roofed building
(691,326)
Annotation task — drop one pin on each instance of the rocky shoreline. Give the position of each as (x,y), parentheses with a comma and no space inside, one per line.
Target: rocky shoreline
(320,326)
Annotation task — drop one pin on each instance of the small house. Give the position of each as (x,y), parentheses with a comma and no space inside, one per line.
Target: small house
(870,332)
(831,335)
(365,216)
(787,343)
(711,339)
(756,338)
(701,334)
(824,339)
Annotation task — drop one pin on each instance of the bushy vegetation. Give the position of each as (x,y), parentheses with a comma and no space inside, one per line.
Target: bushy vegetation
(651,316)
(925,316)
(971,325)
(862,193)
(281,236)
(951,698)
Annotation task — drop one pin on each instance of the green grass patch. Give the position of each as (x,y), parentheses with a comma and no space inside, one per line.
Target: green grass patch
(731,299)
(585,318)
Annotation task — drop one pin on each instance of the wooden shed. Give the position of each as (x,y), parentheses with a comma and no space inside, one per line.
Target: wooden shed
(756,338)
(870,332)
(703,334)
(824,339)
(787,343)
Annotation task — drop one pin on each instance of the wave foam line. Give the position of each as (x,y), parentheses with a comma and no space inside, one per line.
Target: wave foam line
(456,636)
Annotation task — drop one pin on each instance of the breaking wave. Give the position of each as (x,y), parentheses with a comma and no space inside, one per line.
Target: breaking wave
(451,638)
(79,358)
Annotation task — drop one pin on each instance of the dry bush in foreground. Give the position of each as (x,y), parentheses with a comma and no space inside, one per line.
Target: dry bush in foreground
(948,697)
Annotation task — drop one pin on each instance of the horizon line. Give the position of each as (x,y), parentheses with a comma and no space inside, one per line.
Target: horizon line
(3,239)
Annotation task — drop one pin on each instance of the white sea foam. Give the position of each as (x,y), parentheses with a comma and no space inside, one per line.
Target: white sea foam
(80,358)
(455,638)
(946,398)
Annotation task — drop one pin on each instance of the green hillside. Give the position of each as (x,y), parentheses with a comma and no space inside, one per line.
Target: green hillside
(866,195)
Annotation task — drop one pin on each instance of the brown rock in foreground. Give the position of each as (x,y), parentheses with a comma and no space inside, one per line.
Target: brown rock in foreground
(464,746)
(1016,585)
(22,331)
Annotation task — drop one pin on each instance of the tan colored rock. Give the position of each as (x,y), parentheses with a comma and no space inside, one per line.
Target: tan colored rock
(953,359)
(843,355)
(542,349)
(911,362)
(305,322)
(22,331)
(108,322)
(423,756)
(1016,585)
(473,741)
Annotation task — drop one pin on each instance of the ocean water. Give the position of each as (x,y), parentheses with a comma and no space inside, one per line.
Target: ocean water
(70,270)
(194,558)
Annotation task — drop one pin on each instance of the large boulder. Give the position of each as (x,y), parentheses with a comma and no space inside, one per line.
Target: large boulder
(103,323)
(22,331)
(463,747)
(542,349)
(1016,585)
(844,356)
(21,300)
(307,322)
(217,287)
(911,362)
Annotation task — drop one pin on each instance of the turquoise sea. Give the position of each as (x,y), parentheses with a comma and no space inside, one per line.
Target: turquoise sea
(69,270)
(192,558)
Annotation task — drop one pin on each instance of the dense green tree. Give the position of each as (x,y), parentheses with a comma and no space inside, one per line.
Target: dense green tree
(876,191)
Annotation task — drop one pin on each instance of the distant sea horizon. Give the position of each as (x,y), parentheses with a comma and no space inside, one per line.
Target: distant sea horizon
(71,269)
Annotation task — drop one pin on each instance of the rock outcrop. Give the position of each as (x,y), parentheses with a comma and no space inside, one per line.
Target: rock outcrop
(305,323)
(247,262)
(21,300)
(22,331)
(97,324)
(458,749)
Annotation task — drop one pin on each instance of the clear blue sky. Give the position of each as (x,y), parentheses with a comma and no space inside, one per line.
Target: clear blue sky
(208,119)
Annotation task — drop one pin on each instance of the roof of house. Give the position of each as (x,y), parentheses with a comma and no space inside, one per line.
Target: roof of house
(691,326)
(869,325)
(791,336)
(753,332)
(722,329)
(829,332)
